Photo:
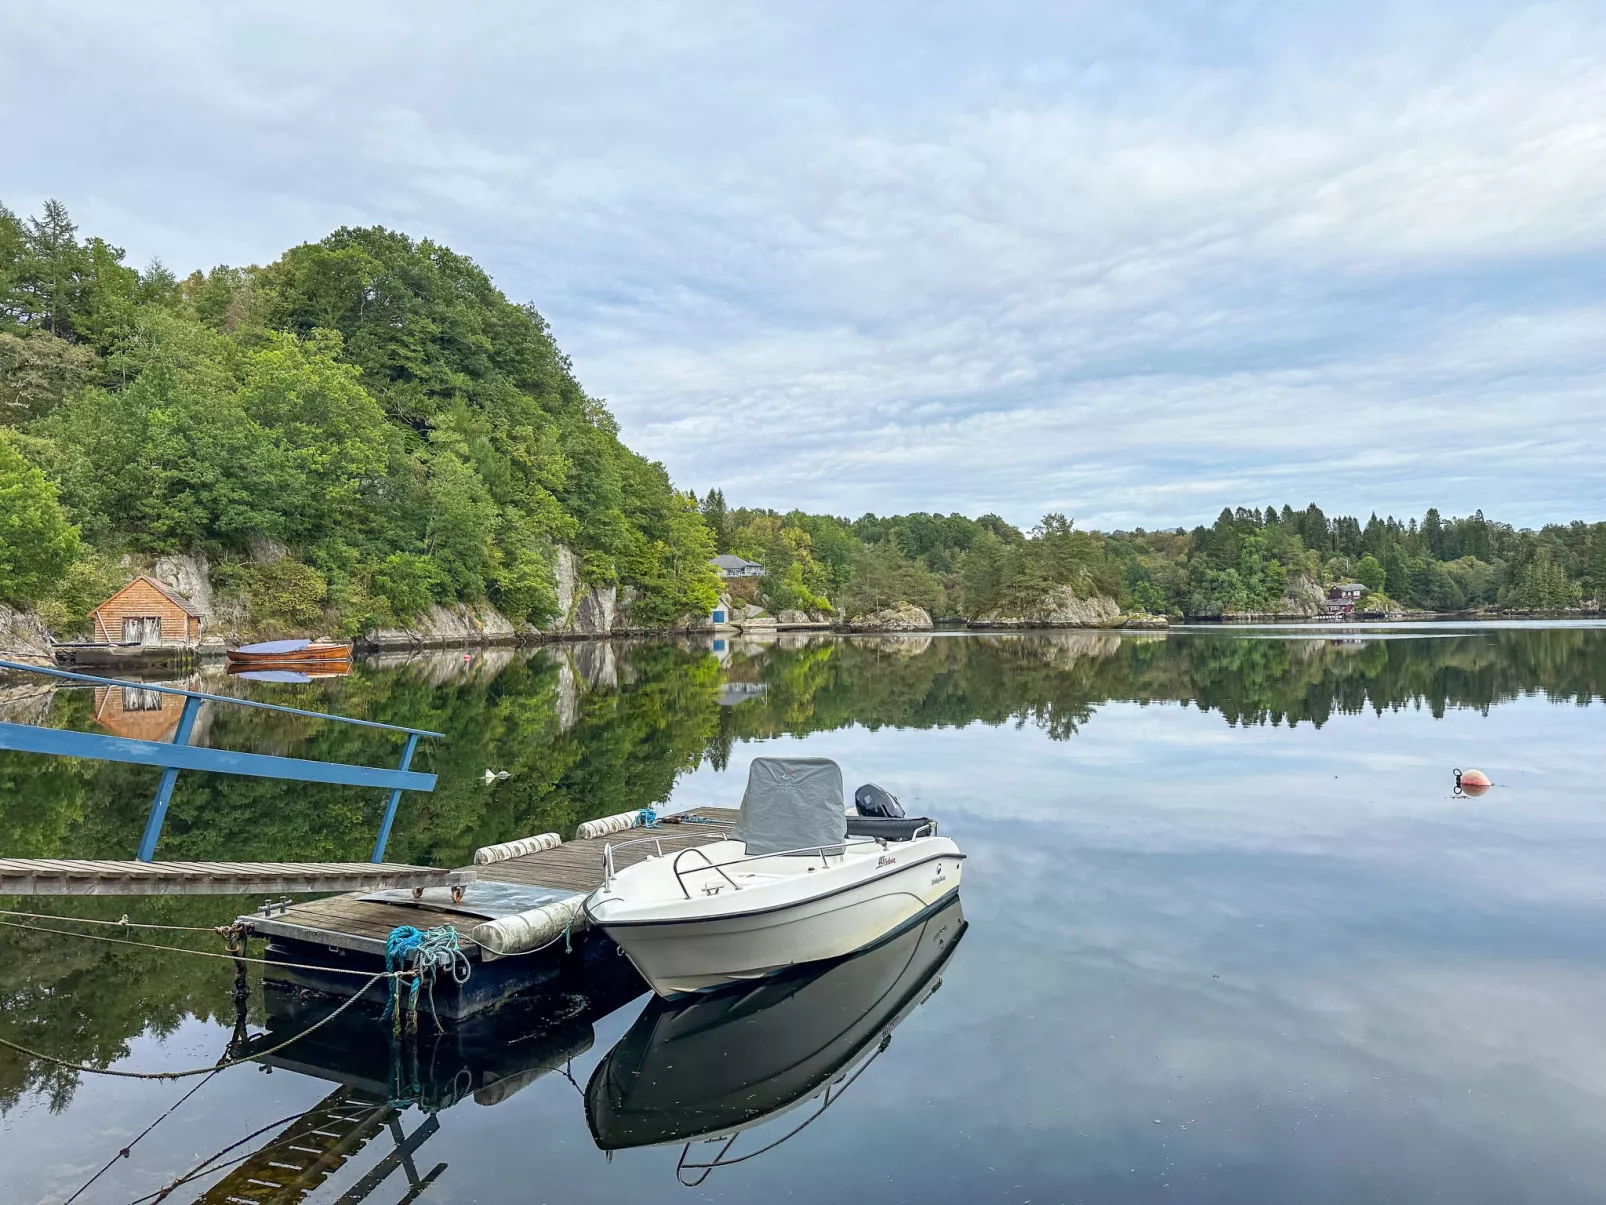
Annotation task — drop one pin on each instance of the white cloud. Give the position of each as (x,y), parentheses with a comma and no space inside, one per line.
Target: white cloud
(1112,259)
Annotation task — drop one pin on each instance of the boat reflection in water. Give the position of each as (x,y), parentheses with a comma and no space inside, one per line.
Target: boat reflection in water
(705,1068)
(376,1078)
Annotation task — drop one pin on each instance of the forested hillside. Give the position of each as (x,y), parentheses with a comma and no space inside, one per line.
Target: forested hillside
(367,426)
(372,404)
(1248,562)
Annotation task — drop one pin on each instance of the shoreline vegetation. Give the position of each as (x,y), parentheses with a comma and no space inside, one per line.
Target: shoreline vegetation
(1250,565)
(366,439)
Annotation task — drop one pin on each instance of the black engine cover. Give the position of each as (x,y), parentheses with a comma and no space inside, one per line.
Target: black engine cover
(871,800)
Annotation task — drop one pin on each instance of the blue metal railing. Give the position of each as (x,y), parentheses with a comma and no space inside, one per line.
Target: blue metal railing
(179,754)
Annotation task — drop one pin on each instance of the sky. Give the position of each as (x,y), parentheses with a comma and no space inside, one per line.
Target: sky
(1128,261)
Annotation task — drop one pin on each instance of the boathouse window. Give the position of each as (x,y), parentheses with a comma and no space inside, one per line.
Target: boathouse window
(142,629)
(719,617)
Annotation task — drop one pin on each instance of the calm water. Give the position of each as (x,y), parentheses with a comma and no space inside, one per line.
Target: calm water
(1228,933)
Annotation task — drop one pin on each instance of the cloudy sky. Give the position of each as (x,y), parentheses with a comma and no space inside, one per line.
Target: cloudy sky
(1126,260)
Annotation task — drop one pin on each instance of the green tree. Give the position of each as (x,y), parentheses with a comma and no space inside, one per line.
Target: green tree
(37,373)
(37,543)
(331,438)
(1595,571)
(718,519)
(1369,572)
(884,577)
(1542,585)
(286,594)
(173,460)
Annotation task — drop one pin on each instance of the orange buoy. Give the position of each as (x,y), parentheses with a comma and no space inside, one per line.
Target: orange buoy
(1472,782)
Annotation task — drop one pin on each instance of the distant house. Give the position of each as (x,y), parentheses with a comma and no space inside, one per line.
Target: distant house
(1341,599)
(736,566)
(147,612)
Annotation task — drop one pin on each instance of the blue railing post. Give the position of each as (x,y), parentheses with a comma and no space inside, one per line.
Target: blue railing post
(164,789)
(395,798)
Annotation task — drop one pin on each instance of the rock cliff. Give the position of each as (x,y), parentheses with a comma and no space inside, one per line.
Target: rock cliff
(446,627)
(583,611)
(1059,608)
(23,637)
(904,618)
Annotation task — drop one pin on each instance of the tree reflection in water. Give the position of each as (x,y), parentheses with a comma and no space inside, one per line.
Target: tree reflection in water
(590,730)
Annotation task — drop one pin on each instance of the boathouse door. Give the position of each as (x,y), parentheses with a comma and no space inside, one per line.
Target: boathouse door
(142,629)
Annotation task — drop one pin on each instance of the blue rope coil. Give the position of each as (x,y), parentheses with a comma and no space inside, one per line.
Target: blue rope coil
(424,949)
(647,818)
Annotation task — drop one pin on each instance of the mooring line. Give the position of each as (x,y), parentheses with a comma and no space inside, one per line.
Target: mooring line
(50,1058)
(125,1151)
(125,923)
(150,945)
(210,1164)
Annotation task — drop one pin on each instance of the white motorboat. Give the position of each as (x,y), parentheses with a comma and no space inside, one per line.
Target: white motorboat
(789,886)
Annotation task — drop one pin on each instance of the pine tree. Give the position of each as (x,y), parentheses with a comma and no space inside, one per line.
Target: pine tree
(54,269)
(718,519)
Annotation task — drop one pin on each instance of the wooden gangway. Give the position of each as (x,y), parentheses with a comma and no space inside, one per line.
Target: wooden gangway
(54,876)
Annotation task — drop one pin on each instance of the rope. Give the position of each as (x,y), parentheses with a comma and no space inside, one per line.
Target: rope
(210,1164)
(220,929)
(125,923)
(647,818)
(223,1066)
(150,945)
(426,949)
(127,1150)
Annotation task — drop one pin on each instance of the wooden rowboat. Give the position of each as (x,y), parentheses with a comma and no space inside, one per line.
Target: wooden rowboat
(299,653)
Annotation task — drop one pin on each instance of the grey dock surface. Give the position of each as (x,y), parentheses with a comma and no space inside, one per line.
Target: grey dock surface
(48,876)
(361,925)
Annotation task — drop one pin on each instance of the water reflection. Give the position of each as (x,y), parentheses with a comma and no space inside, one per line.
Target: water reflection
(1224,878)
(391,1090)
(711,1067)
(591,729)
(703,1068)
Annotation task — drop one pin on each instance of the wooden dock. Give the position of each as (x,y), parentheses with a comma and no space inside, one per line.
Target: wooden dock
(350,931)
(43,876)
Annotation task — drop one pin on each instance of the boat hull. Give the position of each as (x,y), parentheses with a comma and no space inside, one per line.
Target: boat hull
(699,953)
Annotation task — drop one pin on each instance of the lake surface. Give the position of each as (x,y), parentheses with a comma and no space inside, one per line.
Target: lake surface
(1229,933)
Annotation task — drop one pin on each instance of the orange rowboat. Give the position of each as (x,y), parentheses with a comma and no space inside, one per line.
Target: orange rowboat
(300,653)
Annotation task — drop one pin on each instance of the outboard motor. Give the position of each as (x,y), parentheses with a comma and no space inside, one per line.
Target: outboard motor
(871,800)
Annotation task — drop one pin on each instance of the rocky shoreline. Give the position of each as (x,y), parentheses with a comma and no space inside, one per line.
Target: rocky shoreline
(602,612)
